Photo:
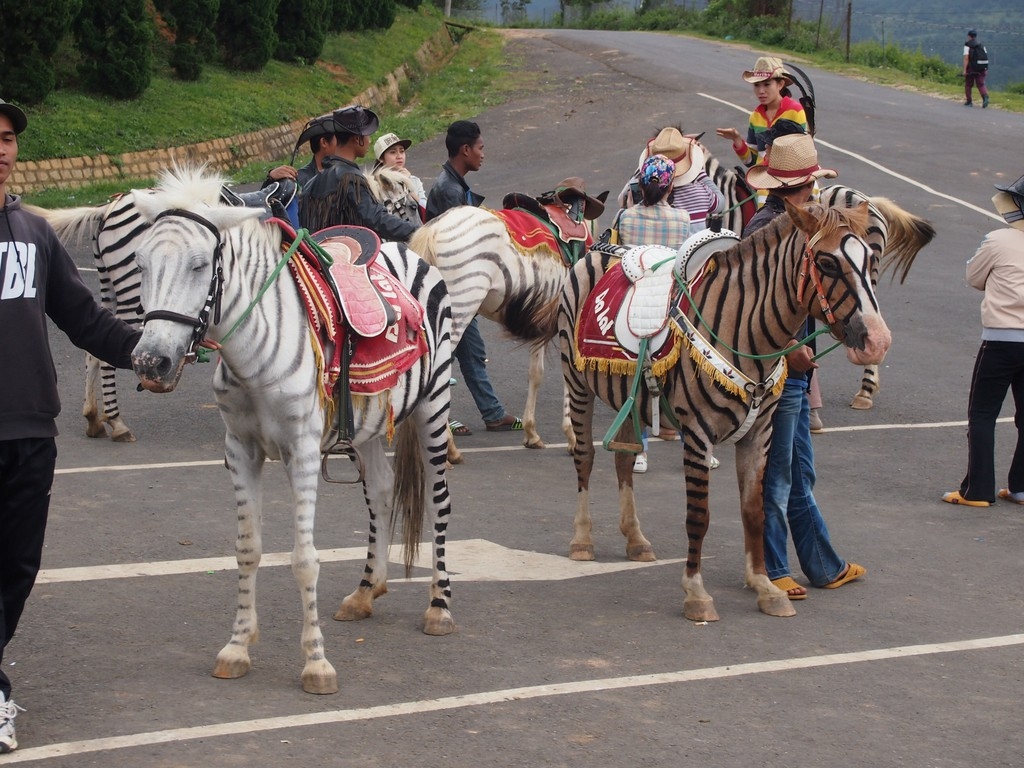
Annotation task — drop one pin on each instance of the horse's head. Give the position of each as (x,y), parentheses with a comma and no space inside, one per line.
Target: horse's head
(835,279)
(180,260)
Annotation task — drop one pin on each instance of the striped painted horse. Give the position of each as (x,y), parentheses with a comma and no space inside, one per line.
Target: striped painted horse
(895,236)
(488,274)
(114,230)
(211,269)
(751,300)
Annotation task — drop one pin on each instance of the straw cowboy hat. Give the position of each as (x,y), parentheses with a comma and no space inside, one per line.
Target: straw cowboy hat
(682,150)
(767,68)
(1009,203)
(386,142)
(792,162)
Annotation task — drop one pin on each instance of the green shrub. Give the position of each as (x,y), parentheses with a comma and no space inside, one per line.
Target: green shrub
(301,30)
(32,33)
(114,41)
(245,31)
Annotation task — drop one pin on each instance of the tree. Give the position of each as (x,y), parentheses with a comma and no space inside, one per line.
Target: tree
(32,32)
(114,37)
(245,31)
(301,31)
(194,41)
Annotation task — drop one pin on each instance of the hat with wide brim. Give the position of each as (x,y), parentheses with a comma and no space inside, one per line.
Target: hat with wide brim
(18,120)
(571,189)
(767,68)
(323,125)
(386,142)
(684,151)
(792,162)
(357,120)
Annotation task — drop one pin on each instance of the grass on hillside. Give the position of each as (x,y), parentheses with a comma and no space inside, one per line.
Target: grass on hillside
(173,113)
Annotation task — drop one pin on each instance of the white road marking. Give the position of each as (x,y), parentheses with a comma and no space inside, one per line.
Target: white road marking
(877,166)
(485,698)
(477,560)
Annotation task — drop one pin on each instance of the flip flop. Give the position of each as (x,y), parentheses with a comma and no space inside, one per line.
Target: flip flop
(507,424)
(787,584)
(1007,495)
(459,429)
(853,571)
(954,497)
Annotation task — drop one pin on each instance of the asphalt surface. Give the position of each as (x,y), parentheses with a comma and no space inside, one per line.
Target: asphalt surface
(558,663)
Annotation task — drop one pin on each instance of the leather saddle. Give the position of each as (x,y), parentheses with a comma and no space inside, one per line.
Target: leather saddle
(556,211)
(353,250)
(273,200)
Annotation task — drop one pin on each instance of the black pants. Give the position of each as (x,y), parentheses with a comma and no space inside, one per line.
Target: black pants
(26,476)
(998,367)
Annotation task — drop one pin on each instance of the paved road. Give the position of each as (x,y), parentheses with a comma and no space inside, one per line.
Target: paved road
(556,663)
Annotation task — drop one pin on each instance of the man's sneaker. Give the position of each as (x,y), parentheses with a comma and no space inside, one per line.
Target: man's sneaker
(968,103)
(8,711)
(984,102)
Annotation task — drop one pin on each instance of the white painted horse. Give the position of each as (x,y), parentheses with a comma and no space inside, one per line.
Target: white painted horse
(210,269)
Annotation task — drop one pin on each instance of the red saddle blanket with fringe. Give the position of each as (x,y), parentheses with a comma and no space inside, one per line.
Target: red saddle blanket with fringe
(599,347)
(530,233)
(377,361)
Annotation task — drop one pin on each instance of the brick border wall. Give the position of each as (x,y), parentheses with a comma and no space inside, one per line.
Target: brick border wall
(225,154)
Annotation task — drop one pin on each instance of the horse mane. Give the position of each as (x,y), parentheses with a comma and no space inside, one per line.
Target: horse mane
(184,186)
(72,225)
(834,218)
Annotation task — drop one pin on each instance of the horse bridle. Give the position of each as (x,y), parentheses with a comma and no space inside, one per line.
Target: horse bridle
(200,324)
(809,270)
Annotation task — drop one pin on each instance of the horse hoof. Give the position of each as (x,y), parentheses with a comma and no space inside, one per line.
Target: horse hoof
(123,437)
(776,605)
(536,443)
(581,554)
(323,680)
(356,607)
(453,460)
(231,669)
(700,610)
(641,554)
(438,622)
(862,403)
(95,429)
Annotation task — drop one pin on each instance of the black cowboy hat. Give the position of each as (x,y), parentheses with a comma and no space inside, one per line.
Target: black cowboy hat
(572,189)
(356,119)
(1016,189)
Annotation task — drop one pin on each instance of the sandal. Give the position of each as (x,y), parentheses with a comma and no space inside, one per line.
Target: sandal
(459,429)
(1017,497)
(793,590)
(853,571)
(954,497)
(507,424)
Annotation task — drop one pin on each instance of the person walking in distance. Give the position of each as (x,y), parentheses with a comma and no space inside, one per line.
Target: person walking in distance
(975,69)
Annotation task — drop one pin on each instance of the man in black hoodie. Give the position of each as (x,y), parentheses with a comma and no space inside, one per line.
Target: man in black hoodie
(37,279)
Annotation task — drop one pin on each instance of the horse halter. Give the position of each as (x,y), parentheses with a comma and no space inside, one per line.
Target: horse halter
(809,270)
(200,324)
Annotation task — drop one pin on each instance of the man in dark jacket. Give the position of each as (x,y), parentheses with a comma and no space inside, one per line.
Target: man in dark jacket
(340,193)
(37,279)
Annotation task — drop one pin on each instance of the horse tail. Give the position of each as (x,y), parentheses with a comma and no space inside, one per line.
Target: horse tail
(908,234)
(73,225)
(424,244)
(532,317)
(410,498)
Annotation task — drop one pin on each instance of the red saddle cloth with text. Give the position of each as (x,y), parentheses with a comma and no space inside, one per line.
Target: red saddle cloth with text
(596,344)
(378,361)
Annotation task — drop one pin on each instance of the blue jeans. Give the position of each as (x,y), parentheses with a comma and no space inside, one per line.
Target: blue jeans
(789,495)
(472,355)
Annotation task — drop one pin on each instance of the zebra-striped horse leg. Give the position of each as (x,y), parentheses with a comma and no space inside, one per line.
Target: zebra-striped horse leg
(581,407)
(377,489)
(869,383)
(638,548)
(698,605)
(437,620)
(90,403)
(531,438)
(454,454)
(570,435)
(245,468)
(751,458)
(119,431)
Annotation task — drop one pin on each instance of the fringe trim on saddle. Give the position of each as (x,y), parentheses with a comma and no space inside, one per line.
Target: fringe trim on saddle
(362,404)
(659,367)
(709,369)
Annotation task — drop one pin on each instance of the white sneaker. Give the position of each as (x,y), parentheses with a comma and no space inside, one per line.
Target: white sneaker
(715,463)
(640,463)
(8,711)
